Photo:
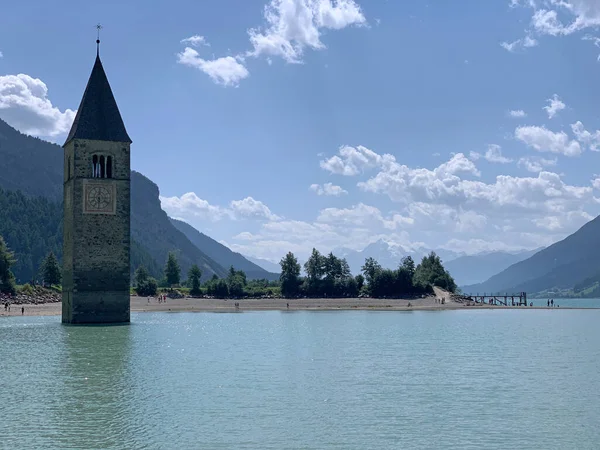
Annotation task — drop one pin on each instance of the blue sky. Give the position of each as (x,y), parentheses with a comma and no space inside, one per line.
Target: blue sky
(334,123)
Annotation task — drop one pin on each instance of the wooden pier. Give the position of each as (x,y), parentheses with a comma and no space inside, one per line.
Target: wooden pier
(519,299)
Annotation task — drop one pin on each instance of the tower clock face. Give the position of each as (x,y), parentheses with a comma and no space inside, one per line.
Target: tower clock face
(99,198)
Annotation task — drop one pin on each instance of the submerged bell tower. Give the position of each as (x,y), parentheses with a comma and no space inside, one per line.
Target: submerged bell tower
(96,239)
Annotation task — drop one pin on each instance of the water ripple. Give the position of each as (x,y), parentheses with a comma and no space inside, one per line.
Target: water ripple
(335,380)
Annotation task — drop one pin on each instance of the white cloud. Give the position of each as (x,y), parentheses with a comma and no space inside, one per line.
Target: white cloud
(328,189)
(544,140)
(526,42)
(190,206)
(24,104)
(494,155)
(518,113)
(293,25)
(226,71)
(195,41)
(545,194)
(590,140)
(431,205)
(536,164)
(252,209)
(362,215)
(560,17)
(554,106)
(352,161)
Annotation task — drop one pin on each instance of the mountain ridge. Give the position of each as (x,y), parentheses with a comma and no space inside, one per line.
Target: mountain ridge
(22,155)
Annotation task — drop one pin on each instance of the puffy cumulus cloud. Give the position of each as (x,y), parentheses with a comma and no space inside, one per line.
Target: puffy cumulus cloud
(588,139)
(190,207)
(291,27)
(535,163)
(24,104)
(493,155)
(555,105)
(226,71)
(294,25)
(252,209)
(328,189)
(351,161)
(544,140)
(445,192)
(517,113)
(404,184)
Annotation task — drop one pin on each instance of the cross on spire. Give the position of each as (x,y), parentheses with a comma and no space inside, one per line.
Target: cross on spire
(98,28)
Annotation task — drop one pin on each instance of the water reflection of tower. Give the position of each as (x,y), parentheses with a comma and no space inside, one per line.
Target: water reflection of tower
(93,410)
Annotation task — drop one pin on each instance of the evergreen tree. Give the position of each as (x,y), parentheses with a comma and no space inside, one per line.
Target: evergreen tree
(409,265)
(51,270)
(370,270)
(431,272)
(141,276)
(172,270)
(144,284)
(7,279)
(315,268)
(290,275)
(360,281)
(194,275)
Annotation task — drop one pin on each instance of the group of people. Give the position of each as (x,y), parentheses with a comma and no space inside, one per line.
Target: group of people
(7,308)
(161,298)
(551,303)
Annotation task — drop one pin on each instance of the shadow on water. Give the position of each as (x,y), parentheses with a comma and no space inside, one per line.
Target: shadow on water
(94,367)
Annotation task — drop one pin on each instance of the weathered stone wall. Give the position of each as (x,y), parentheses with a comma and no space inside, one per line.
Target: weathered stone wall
(97,246)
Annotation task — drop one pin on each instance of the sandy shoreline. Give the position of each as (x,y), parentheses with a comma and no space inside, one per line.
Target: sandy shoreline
(140,304)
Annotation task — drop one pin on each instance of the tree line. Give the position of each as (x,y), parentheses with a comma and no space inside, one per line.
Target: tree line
(326,276)
(235,285)
(49,269)
(329,276)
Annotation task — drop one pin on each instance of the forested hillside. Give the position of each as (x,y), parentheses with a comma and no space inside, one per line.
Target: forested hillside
(32,227)
(29,164)
(35,168)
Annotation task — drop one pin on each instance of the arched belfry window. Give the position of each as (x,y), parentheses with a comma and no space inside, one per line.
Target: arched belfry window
(95,167)
(102,166)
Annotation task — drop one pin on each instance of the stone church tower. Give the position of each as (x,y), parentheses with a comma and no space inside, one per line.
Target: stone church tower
(96,241)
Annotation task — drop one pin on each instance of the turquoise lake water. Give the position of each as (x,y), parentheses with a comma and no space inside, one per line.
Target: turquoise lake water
(496,379)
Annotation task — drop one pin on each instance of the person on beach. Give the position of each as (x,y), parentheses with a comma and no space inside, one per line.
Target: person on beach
(22,310)
(552,302)
(548,303)
(288,305)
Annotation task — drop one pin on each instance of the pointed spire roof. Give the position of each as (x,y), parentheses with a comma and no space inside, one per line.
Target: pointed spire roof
(98,116)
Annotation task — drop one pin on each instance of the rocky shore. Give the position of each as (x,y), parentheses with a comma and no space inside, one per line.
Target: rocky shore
(37,296)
